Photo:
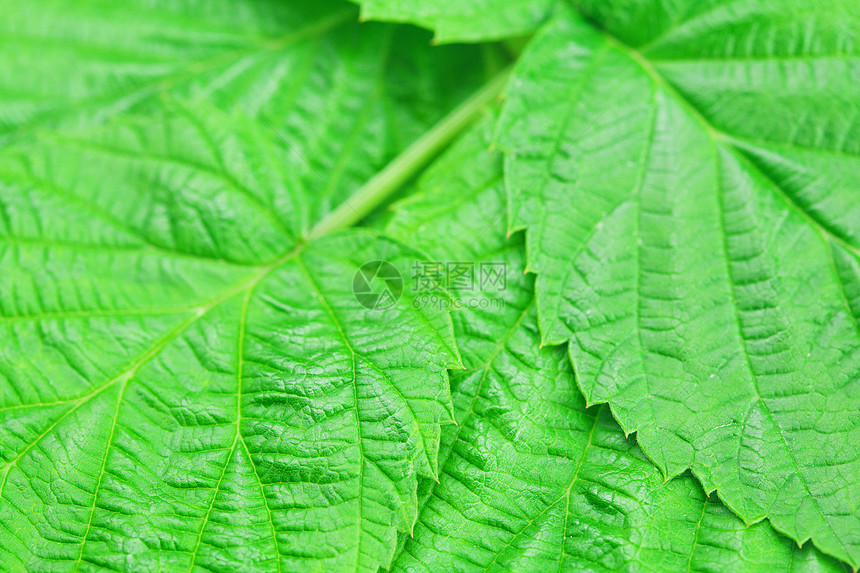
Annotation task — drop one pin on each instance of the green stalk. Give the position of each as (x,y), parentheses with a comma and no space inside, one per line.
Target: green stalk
(410,161)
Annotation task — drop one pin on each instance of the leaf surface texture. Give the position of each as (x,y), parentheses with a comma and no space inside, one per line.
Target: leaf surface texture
(688,175)
(532,480)
(186,383)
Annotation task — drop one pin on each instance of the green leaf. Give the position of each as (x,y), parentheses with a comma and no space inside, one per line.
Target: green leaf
(186,381)
(531,480)
(465,20)
(688,174)
(164,404)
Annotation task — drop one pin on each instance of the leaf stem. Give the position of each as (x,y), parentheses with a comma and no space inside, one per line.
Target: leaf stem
(405,165)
